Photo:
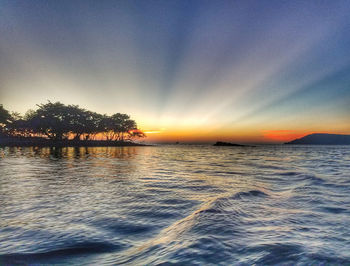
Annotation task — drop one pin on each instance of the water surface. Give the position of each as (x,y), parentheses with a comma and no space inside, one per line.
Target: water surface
(190,205)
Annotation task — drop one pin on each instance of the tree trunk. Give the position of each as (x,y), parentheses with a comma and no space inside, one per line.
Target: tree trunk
(77,136)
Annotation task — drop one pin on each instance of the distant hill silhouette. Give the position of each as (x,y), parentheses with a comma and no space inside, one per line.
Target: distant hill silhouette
(221,143)
(323,139)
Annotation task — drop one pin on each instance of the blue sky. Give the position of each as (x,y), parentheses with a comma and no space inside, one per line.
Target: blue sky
(232,69)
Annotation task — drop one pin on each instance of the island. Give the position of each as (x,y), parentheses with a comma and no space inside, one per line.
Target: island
(60,125)
(322,139)
(221,143)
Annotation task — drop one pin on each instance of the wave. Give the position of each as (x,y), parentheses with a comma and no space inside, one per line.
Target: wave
(313,178)
(334,210)
(249,194)
(321,259)
(288,173)
(220,204)
(77,249)
(121,227)
(267,206)
(277,253)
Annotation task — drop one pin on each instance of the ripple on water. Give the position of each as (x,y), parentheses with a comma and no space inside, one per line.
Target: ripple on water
(122,227)
(272,254)
(249,194)
(82,248)
(333,209)
(192,205)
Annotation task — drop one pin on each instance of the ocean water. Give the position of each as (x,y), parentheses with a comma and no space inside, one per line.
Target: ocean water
(184,205)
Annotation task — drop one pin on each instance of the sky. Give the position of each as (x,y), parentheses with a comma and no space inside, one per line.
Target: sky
(189,71)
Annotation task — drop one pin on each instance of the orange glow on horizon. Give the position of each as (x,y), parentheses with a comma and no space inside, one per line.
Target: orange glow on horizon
(229,135)
(283,135)
(152,131)
(200,135)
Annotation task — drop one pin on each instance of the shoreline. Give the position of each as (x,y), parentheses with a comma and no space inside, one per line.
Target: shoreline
(65,143)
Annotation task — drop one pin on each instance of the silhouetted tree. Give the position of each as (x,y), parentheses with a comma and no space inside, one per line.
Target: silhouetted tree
(52,120)
(85,123)
(77,119)
(5,116)
(19,127)
(93,125)
(135,133)
(5,120)
(120,127)
(57,121)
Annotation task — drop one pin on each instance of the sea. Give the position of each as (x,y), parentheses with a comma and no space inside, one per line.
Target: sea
(175,205)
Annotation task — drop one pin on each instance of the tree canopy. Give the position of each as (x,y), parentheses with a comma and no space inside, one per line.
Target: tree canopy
(5,119)
(57,121)
(5,115)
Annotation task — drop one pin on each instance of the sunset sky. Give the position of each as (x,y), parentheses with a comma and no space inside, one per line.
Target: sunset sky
(195,71)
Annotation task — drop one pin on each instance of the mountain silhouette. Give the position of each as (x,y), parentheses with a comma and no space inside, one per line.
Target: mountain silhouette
(323,139)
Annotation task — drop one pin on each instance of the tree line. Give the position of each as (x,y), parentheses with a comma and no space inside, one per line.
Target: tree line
(57,121)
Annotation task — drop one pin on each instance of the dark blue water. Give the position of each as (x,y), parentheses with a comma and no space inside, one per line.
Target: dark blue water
(191,205)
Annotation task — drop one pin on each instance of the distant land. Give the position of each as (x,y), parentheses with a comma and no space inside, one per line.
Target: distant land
(221,143)
(323,139)
(40,142)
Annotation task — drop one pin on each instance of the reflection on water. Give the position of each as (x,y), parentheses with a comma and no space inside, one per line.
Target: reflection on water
(175,204)
(69,152)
